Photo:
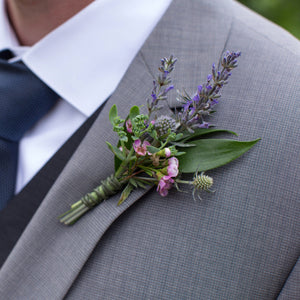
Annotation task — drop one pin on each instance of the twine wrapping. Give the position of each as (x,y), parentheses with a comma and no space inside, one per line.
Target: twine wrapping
(110,186)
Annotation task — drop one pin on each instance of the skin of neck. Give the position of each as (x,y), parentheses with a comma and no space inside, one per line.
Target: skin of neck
(33,19)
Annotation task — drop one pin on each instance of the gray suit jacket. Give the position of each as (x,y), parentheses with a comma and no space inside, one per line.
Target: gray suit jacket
(242,242)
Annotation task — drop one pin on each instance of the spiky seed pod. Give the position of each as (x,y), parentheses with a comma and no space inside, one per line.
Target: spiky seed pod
(202,182)
(163,124)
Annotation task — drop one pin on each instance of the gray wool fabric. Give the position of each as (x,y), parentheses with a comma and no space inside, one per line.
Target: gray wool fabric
(241,242)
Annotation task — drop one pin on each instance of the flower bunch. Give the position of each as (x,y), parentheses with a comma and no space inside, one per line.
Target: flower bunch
(156,149)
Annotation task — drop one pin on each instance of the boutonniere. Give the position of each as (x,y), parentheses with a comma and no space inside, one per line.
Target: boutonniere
(156,149)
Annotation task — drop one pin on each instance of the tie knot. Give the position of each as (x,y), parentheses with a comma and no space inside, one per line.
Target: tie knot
(24,99)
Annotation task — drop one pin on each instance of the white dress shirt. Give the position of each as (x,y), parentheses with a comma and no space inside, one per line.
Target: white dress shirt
(83,61)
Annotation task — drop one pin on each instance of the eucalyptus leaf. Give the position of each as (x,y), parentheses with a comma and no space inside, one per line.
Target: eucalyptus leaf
(212,153)
(113,113)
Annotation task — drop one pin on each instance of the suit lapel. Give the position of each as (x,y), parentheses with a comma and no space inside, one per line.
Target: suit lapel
(49,256)
(19,211)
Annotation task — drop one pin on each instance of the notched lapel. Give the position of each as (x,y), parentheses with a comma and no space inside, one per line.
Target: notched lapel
(48,255)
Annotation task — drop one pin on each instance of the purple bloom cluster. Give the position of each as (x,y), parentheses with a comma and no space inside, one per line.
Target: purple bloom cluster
(162,85)
(202,103)
(166,181)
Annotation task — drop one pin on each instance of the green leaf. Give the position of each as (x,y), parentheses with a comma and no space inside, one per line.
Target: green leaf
(140,184)
(179,137)
(180,153)
(203,131)
(152,149)
(124,138)
(183,145)
(117,163)
(133,182)
(113,113)
(116,151)
(146,170)
(134,111)
(126,192)
(212,153)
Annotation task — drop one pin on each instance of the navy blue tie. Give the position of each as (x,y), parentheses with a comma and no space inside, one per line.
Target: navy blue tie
(24,99)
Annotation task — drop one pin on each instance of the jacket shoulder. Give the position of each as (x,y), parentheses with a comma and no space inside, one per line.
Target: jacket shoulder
(265,28)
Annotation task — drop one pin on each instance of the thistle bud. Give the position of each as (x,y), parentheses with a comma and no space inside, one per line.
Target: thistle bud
(202,182)
(163,124)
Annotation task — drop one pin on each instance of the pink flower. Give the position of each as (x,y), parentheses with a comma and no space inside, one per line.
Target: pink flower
(173,167)
(129,126)
(164,185)
(167,152)
(139,148)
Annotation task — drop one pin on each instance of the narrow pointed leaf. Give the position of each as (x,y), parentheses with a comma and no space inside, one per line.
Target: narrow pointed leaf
(140,184)
(116,151)
(117,163)
(212,153)
(133,182)
(204,131)
(183,145)
(126,192)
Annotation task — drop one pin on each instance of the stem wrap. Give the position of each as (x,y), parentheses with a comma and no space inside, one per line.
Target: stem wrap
(108,187)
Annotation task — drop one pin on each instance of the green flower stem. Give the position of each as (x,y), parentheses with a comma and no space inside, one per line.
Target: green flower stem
(110,186)
(124,164)
(184,181)
(145,178)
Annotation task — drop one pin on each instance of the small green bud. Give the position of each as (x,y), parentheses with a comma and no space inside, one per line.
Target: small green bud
(203,182)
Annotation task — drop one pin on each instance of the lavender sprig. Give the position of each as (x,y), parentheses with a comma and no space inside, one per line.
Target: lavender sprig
(195,108)
(162,85)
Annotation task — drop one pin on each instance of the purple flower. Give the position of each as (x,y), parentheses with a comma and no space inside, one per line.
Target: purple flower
(154,97)
(214,101)
(196,98)
(171,87)
(173,167)
(187,105)
(204,125)
(129,126)
(164,184)
(139,148)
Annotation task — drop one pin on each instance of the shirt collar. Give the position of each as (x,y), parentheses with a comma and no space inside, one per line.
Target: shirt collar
(85,58)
